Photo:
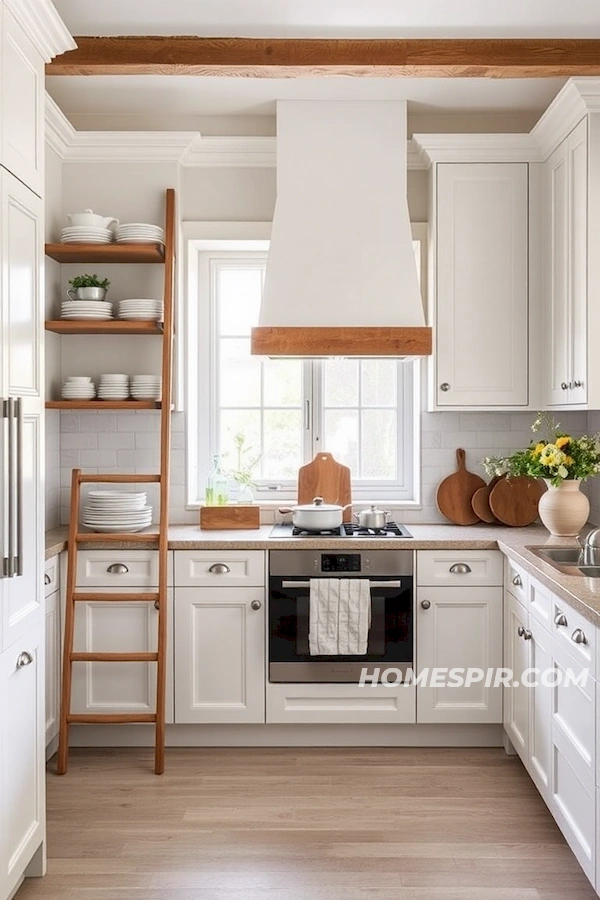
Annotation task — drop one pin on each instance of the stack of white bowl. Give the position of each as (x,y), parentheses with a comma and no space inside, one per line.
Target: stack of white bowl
(140,309)
(140,233)
(146,387)
(86,234)
(113,387)
(78,387)
(116,511)
(85,309)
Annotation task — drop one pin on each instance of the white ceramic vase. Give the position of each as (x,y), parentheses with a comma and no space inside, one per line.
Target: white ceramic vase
(564,510)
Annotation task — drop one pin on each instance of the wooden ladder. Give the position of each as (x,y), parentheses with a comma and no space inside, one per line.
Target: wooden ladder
(158,539)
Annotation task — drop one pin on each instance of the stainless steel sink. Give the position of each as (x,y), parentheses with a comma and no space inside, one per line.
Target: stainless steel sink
(568,560)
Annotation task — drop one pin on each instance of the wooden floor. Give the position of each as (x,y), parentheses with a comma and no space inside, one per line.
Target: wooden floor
(302,824)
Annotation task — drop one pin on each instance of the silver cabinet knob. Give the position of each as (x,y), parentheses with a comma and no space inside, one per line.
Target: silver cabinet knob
(157,604)
(579,636)
(561,620)
(219,569)
(425,604)
(24,659)
(520,631)
(117,569)
(564,386)
(578,384)
(47,579)
(444,386)
(517,581)
(460,569)
(527,635)
(256,604)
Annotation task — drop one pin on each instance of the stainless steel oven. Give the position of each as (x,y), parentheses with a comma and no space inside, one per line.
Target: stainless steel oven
(390,644)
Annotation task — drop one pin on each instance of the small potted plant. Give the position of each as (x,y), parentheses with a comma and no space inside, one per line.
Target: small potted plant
(243,473)
(88,287)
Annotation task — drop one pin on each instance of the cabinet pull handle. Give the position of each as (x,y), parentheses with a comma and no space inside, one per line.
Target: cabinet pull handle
(256,604)
(219,569)
(520,631)
(425,604)
(527,635)
(560,619)
(579,636)
(444,386)
(564,386)
(578,384)
(47,579)
(117,569)
(517,581)
(157,604)
(460,569)
(24,659)
(19,486)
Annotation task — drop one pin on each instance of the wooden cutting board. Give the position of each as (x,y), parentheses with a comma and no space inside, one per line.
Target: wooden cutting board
(515,500)
(481,502)
(326,478)
(454,493)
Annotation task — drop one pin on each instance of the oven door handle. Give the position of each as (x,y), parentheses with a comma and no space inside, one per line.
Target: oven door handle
(374,584)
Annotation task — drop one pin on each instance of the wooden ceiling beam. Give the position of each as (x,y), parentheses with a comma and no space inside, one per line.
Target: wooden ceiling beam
(293,58)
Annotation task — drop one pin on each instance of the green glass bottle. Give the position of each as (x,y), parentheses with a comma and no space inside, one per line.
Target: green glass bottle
(217,484)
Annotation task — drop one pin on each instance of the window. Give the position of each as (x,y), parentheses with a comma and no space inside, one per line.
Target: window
(269,417)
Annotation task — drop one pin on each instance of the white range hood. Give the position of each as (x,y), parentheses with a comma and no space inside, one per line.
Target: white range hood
(341,271)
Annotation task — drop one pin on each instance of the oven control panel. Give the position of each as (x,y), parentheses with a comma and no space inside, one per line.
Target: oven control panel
(340,562)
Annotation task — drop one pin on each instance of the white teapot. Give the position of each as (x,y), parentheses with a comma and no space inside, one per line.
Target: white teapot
(90,218)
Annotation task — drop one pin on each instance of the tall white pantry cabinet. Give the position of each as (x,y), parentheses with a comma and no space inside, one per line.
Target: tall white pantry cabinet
(30,35)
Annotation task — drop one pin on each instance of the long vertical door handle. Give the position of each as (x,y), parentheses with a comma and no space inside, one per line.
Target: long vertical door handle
(5,476)
(11,487)
(18,564)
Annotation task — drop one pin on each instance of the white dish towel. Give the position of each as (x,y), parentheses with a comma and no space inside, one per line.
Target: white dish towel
(340,616)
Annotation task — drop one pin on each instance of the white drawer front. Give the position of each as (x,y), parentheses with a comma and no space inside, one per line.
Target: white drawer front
(574,634)
(516,580)
(573,717)
(219,568)
(51,576)
(459,567)
(340,704)
(540,602)
(120,568)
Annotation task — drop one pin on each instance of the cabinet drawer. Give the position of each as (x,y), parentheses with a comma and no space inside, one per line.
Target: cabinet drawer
(120,568)
(340,704)
(219,568)
(51,576)
(459,567)
(574,634)
(516,580)
(573,715)
(539,603)
(573,807)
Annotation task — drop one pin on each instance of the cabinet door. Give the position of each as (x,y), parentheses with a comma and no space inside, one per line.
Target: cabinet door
(482,285)
(220,655)
(52,664)
(578,262)
(21,756)
(112,687)
(22,120)
(516,659)
(460,628)
(540,709)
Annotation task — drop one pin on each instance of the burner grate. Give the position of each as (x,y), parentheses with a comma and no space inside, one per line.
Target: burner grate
(348,529)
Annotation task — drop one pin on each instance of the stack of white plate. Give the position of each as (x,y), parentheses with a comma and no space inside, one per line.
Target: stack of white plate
(140,309)
(146,387)
(116,511)
(86,234)
(78,387)
(113,387)
(140,233)
(85,309)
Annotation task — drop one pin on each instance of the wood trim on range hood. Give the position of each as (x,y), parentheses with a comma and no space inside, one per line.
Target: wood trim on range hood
(367,341)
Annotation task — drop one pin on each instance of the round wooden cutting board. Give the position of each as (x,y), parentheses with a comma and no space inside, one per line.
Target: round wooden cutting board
(454,493)
(481,502)
(515,500)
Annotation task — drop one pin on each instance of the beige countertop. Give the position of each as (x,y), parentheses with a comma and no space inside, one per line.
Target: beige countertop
(582,593)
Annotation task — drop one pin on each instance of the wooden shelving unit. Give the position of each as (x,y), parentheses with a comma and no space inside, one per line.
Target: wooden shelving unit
(98,326)
(106,253)
(121,253)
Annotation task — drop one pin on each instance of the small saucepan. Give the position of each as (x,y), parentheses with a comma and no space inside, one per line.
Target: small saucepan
(376,519)
(317,516)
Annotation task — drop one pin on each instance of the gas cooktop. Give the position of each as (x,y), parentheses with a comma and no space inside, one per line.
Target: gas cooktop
(347,530)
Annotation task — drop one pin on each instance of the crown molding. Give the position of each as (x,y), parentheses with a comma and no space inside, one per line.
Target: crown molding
(474,148)
(577,98)
(43,25)
(59,132)
(231,152)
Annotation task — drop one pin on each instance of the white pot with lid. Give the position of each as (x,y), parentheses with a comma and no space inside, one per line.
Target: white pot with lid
(317,516)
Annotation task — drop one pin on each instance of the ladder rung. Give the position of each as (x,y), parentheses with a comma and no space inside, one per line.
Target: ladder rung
(117,597)
(114,657)
(136,537)
(118,479)
(109,718)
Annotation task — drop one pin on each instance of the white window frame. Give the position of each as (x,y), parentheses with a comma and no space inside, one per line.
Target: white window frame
(199,346)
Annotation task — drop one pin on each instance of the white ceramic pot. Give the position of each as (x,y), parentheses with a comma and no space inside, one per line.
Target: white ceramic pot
(87,293)
(317,516)
(90,219)
(564,510)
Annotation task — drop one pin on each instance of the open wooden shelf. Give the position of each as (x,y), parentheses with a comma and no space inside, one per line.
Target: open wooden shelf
(106,253)
(102,326)
(104,404)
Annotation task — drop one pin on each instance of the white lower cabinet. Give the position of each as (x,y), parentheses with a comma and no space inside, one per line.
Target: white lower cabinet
(220,655)
(539,751)
(52,665)
(459,628)
(22,748)
(516,660)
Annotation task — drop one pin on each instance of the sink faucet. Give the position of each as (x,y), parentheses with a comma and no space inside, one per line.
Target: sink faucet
(591,548)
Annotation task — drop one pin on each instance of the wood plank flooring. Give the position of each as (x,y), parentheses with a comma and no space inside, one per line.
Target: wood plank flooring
(302,824)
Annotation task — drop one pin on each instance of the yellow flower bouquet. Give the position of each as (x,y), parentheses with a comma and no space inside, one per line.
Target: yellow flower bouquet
(558,457)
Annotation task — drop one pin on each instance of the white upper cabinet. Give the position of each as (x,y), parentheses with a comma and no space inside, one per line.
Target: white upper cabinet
(481,286)
(22,105)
